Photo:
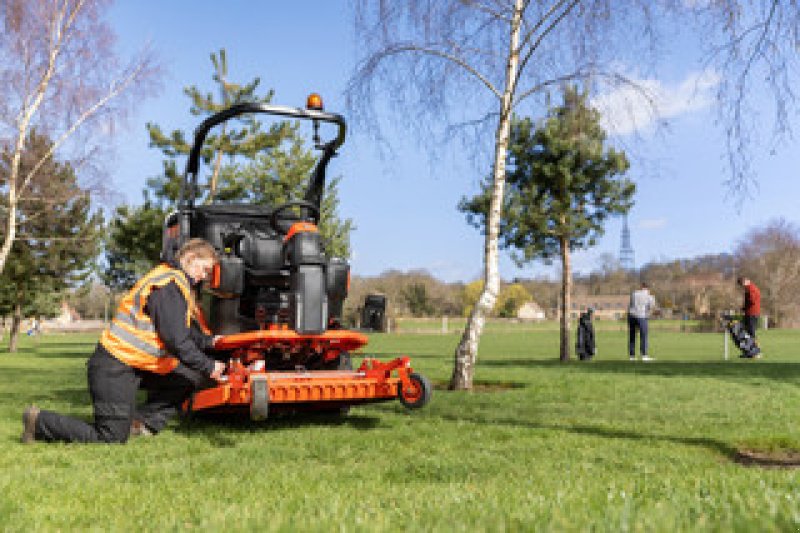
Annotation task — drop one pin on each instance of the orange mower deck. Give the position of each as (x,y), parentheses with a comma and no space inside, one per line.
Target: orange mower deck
(250,387)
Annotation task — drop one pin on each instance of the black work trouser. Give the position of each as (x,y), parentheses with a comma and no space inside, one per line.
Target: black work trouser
(750,325)
(113,386)
(634,324)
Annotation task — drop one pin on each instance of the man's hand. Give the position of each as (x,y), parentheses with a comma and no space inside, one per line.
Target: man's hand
(219,368)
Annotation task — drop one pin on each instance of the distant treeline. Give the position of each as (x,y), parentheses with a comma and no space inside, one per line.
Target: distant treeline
(694,288)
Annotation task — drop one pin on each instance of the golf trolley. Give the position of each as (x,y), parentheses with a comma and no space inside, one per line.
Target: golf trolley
(746,344)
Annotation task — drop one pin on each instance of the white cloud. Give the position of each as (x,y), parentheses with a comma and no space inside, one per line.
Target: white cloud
(653,223)
(630,109)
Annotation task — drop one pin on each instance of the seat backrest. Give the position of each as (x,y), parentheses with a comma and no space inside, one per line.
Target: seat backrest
(244,231)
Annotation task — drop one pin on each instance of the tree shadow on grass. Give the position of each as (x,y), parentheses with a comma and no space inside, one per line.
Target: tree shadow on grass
(74,397)
(760,369)
(722,448)
(27,351)
(216,427)
(50,352)
(61,353)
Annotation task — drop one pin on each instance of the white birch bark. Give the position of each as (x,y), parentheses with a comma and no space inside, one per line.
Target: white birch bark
(467,350)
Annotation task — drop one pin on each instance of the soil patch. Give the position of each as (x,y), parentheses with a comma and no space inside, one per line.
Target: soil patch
(768,459)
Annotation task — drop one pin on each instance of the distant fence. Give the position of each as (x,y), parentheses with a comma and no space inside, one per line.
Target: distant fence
(441,325)
(451,325)
(77,326)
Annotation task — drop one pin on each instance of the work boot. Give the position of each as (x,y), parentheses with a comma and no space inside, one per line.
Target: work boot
(138,429)
(29,416)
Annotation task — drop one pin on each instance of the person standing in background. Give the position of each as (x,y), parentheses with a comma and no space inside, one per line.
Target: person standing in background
(642,304)
(751,306)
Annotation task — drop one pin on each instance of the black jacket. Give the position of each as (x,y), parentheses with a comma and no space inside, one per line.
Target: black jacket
(167,309)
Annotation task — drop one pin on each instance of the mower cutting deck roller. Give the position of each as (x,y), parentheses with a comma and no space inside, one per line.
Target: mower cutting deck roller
(276,298)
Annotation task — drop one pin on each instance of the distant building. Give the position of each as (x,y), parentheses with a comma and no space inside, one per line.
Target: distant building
(68,315)
(606,307)
(707,280)
(703,286)
(531,311)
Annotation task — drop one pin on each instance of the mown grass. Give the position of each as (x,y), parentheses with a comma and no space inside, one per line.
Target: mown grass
(608,445)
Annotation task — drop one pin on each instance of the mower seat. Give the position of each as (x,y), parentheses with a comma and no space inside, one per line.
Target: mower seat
(244,231)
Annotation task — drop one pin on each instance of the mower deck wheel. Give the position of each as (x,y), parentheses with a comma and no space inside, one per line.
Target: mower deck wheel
(418,394)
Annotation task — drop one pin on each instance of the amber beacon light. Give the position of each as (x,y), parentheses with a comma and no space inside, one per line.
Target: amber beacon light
(314,102)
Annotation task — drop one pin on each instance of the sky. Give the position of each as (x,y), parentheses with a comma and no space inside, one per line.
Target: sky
(404,207)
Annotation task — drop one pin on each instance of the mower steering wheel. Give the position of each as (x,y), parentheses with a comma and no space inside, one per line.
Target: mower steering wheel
(312,214)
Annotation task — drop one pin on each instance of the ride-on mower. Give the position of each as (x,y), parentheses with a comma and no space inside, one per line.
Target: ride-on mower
(277,299)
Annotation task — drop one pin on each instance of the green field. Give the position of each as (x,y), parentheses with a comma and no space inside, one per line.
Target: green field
(608,446)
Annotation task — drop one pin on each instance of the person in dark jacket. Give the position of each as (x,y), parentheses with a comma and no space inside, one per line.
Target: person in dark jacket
(156,341)
(584,344)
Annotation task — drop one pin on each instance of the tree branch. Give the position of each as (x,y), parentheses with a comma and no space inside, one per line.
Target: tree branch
(373,61)
(486,9)
(113,91)
(550,27)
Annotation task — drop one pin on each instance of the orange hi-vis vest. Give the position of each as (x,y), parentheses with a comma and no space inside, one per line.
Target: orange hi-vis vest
(132,338)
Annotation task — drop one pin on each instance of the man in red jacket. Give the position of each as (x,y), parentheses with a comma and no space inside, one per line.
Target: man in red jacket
(751,306)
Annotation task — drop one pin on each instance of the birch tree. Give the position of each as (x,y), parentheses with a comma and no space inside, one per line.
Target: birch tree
(440,61)
(59,75)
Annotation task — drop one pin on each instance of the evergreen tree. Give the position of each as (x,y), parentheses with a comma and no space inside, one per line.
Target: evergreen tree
(133,243)
(248,164)
(57,242)
(563,183)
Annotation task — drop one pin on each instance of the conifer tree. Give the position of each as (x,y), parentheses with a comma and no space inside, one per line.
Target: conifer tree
(563,183)
(57,243)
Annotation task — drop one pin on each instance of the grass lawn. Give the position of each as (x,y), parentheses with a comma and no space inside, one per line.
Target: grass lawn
(608,445)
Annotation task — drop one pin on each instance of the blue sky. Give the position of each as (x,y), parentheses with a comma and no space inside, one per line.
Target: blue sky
(405,208)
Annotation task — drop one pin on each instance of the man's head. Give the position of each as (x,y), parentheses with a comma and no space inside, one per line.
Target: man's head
(742,281)
(644,285)
(197,258)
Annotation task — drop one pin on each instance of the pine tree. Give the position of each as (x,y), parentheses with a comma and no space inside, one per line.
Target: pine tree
(563,183)
(57,243)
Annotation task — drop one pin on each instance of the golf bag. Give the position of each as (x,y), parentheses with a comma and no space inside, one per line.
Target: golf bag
(584,344)
(742,339)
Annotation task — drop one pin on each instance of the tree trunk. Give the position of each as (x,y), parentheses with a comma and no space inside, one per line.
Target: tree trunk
(13,334)
(467,351)
(12,200)
(566,299)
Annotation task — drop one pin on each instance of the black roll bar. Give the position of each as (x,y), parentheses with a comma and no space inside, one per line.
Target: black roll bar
(317,182)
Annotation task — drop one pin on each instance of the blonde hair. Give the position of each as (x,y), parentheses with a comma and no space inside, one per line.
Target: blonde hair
(198,248)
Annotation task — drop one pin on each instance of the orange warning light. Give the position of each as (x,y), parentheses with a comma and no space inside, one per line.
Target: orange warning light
(314,102)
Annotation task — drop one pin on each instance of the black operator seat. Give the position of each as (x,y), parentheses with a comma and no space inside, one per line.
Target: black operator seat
(241,230)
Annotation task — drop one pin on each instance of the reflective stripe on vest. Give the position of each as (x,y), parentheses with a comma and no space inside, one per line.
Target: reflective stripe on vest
(131,337)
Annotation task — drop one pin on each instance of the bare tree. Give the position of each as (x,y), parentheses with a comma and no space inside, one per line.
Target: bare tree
(770,256)
(752,44)
(430,57)
(59,76)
